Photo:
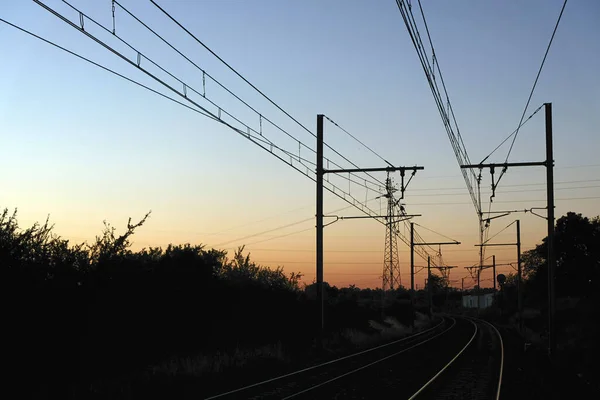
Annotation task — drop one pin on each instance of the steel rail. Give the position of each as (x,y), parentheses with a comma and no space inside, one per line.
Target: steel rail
(500,375)
(448,364)
(369,364)
(501,359)
(335,361)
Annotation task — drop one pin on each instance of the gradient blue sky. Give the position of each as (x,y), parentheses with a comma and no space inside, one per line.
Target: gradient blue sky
(85,146)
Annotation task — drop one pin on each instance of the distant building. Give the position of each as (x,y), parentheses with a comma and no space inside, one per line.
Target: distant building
(485,300)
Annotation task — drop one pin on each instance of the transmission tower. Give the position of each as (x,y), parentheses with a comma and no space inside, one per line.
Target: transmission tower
(445,271)
(391,263)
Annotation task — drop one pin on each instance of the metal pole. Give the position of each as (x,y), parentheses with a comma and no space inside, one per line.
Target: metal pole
(391,234)
(478,287)
(320,224)
(481,229)
(519,278)
(412,270)
(550,239)
(429,288)
(412,257)
(494,272)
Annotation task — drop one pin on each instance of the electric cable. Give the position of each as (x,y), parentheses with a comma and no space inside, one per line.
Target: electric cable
(511,135)
(437,233)
(246,80)
(505,228)
(536,81)
(352,201)
(456,142)
(105,68)
(360,142)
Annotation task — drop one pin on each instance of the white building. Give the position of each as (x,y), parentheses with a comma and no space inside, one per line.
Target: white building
(485,300)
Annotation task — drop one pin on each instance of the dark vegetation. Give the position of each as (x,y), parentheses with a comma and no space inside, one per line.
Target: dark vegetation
(577,287)
(100,320)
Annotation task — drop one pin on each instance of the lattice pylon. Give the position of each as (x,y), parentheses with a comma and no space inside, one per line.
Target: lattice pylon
(473,272)
(445,271)
(391,263)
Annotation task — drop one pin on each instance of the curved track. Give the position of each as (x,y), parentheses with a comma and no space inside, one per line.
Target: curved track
(309,379)
(475,372)
(457,359)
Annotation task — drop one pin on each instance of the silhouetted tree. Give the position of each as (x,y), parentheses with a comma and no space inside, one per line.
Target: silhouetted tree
(577,253)
(577,284)
(82,315)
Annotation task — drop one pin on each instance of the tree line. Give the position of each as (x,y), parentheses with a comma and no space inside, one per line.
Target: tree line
(83,314)
(577,290)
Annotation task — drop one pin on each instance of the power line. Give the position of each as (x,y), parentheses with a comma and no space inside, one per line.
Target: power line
(515,185)
(371,150)
(228,66)
(505,228)
(466,250)
(355,138)
(247,81)
(281,236)
(535,82)
(326,262)
(432,231)
(105,68)
(313,250)
(205,75)
(556,167)
(249,133)
(511,135)
(507,191)
(141,85)
(282,227)
(434,59)
(264,232)
(510,201)
(259,140)
(429,70)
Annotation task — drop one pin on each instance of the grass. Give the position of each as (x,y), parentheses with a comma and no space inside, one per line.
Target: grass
(212,372)
(220,361)
(390,329)
(242,358)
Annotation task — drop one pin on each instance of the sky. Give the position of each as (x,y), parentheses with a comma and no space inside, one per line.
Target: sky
(83,146)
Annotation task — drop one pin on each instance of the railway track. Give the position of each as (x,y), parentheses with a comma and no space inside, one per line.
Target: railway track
(475,372)
(440,362)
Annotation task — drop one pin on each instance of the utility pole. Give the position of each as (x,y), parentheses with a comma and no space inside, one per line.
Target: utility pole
(412,261)
(320,172)
(519,278)
(483,267)
(392,220)
(519,271)
(549,164)
(391,264)
(429,286)
(550,239)
(494,272)
(412,255)
(478,288)
(319,235)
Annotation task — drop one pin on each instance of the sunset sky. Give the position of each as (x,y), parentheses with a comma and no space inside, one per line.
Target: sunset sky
(83,145)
